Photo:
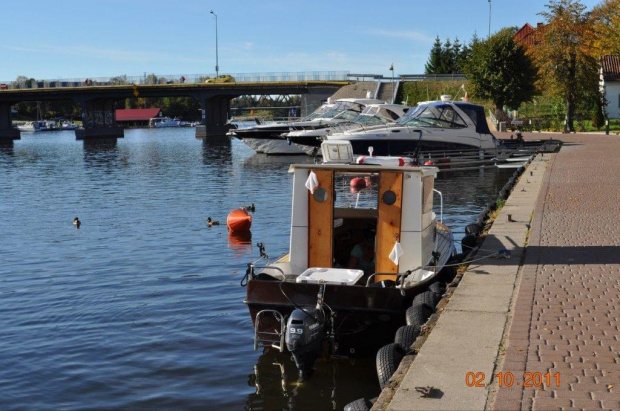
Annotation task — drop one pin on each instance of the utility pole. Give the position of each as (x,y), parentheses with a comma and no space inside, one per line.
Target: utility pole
(489,19)
(217,66)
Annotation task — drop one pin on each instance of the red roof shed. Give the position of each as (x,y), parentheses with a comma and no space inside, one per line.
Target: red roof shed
(136,114)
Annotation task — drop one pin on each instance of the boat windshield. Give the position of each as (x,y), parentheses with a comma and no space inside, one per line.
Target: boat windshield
(324,108)
(433,116)
(344,106)
(380,111)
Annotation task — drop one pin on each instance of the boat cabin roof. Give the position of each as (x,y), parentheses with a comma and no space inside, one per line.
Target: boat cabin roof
(362,168)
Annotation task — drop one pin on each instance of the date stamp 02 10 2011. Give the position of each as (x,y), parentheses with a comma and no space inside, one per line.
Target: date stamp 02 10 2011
(507,379)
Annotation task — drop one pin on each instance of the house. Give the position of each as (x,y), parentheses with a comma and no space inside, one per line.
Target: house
(136,117)
(610,84)
(528,35)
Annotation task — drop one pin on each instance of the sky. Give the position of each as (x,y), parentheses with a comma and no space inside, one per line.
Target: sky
(72,39)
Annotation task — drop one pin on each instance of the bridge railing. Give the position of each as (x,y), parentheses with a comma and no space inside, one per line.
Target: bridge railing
(151,78)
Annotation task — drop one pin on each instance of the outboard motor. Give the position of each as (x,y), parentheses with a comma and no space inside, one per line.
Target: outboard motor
(305,331)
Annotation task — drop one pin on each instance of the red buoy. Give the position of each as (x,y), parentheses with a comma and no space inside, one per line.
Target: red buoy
(429,163)
(239,220)
(359,182)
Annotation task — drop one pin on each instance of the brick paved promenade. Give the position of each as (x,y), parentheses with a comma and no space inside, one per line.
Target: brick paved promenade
(567,306)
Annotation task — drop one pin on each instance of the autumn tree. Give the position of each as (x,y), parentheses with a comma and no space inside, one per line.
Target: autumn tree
(499,69)
(565,64)
(605,21)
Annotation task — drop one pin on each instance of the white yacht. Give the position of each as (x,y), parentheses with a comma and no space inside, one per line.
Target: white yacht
(266,138)
(433,125)
(372,115)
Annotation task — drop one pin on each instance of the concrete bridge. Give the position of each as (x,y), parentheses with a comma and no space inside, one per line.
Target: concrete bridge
(98,111)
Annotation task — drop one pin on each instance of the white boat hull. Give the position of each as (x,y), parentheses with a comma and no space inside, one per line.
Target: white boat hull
(276,146)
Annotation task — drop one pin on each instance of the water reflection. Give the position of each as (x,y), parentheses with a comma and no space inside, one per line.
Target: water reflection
(240,242)
(100,151)
(6,144)
(218,151)
(334,384)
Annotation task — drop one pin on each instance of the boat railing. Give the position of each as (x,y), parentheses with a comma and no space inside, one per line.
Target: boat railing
(275,338)
(440,204)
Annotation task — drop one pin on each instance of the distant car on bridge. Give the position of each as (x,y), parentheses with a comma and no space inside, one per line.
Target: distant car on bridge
(225,78)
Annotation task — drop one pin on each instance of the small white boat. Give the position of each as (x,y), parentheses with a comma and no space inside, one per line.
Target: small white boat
(161,122)
(320,294)
(68,125)
(35,126)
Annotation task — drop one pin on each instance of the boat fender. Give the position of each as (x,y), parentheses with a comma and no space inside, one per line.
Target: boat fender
(438,288)
(406,335)
(473,229)
(418,313)
(426,297)
(388,360)
(468,243)
(361,404)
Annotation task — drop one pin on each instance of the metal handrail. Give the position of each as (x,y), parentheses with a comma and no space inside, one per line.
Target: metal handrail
(440,205)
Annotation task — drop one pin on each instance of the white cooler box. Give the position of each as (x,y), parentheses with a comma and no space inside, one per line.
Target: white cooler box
(342,276)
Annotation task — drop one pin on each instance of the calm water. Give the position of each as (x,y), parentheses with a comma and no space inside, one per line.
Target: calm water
(141,307)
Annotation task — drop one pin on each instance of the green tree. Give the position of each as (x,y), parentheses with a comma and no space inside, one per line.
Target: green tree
(563,57)
(499,69)
(434,60)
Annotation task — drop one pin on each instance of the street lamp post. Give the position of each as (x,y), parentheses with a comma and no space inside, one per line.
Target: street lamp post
(217,66)
(489,19)
(392,70)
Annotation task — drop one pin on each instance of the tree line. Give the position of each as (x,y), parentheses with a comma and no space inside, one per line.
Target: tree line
(563,63)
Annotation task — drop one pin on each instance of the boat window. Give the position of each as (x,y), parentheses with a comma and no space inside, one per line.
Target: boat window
(427,194)
(320,195)
(389,197)
(471,113)
(341,106)
(435,116)
(358,191)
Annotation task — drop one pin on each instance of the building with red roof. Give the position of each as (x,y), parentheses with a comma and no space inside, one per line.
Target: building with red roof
(136,117)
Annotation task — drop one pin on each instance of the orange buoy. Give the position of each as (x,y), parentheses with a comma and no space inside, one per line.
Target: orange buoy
(239,220)
(359,182)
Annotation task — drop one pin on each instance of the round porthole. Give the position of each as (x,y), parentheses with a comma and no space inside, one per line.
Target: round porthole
(389,197)
(320,195)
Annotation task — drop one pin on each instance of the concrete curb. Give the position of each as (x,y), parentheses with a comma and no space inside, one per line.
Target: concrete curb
(466,345)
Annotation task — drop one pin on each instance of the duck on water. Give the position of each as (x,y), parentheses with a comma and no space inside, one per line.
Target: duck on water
(309,298)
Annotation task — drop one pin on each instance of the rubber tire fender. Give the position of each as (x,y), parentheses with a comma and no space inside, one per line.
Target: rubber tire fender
(438,288)
(426,297)
(406,335)
(418,313)
(361,404)
(388,359)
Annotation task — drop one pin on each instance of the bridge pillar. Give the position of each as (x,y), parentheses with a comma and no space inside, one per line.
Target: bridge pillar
(98,121)
(214,120)
(7,132)
(313,99)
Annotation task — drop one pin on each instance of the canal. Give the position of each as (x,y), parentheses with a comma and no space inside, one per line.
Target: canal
(141,307)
